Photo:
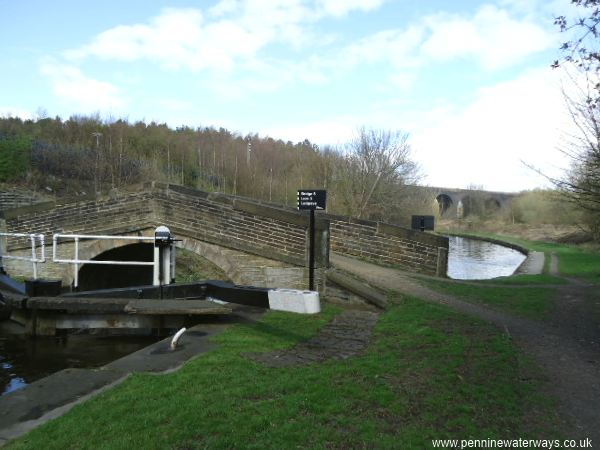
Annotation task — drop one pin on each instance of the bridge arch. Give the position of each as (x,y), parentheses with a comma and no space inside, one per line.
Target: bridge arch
(444,202)
(239,267)
(99,276)
(492,205)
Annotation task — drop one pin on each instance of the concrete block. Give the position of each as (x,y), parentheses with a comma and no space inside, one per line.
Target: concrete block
(302,302)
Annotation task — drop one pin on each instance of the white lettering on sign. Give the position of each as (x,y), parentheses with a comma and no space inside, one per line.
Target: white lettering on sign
(312,199)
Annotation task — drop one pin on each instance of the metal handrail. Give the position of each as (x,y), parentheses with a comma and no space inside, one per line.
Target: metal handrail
(78,237)
(34,238)
(76,261)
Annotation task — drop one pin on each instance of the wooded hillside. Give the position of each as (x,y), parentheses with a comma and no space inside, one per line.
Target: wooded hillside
(367,178)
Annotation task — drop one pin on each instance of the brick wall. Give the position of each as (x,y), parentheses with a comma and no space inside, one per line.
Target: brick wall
(389,245)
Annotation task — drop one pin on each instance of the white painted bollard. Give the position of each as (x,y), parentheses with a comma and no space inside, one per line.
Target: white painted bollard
(175,339)
(163,258)
(291,300)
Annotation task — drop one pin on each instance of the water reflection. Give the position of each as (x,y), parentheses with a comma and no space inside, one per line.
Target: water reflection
(472,259)
(24,359)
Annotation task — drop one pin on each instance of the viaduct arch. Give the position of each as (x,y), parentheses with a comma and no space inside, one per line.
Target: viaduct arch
(448,200)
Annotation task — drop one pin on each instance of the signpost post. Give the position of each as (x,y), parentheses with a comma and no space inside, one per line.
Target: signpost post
(311,199)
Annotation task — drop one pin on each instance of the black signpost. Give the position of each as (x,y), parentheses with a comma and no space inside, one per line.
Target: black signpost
(312,199)
(422,223)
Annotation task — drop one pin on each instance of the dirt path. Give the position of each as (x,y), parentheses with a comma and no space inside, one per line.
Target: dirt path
(569,356)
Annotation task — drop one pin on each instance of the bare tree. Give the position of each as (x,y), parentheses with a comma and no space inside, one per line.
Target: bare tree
(581,182)
(374,163)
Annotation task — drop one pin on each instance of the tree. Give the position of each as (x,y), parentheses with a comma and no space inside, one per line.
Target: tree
(581,47)
(14,157)
(374,165)
(581,183)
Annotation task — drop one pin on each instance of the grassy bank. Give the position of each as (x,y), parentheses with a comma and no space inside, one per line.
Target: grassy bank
(428,373)
(533,302)
(530,296)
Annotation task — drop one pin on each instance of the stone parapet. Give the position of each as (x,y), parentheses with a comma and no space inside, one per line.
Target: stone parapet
(388,244)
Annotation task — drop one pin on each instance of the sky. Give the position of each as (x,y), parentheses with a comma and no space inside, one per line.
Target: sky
(468,80)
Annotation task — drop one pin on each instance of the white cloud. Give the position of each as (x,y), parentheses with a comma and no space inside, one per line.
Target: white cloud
(71,86)
(232,32)
(491,36)
(484,142)
(177,38)
(395,46)
(339,8)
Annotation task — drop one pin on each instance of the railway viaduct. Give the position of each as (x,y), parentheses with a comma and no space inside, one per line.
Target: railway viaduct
(255,243)
(448,200)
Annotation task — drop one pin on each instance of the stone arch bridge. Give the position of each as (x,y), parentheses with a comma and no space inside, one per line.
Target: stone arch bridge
(448,200)
(255,243)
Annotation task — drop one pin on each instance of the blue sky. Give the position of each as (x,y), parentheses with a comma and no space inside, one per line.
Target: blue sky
(468,80)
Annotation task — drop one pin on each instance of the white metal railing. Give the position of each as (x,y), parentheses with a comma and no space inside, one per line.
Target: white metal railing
(168,264)
(33,259)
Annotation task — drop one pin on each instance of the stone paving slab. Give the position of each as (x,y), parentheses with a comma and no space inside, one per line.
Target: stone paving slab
(347,335)
(533,264)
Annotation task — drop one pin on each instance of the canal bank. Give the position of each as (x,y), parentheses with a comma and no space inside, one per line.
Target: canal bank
(52,396)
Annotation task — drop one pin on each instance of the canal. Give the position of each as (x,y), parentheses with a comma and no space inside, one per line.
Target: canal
(475,259)
(24,360)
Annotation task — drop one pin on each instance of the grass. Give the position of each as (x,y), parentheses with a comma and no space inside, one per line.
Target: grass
(534,302)
(429,373)
(523,280)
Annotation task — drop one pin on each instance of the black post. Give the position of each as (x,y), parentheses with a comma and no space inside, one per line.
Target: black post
(311,252)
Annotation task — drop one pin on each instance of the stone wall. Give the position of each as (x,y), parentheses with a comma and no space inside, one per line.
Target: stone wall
(269,231)
(10,199)
(229,221)
(241,223)
(388,244)
(105,215)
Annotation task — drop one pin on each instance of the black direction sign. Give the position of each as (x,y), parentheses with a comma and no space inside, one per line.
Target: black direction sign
(312,199)
(422,223)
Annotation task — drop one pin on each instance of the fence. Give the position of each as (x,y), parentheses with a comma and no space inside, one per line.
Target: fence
(34,259)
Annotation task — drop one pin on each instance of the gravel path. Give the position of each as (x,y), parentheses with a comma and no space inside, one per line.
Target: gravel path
(567,347)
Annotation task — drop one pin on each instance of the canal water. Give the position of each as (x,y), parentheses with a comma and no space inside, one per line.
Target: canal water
(24,360)
(474,259)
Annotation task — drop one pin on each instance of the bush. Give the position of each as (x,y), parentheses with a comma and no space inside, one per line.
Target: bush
(545,207)
(15,155)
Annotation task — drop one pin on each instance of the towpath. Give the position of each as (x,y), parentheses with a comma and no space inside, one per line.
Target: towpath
(567,347)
